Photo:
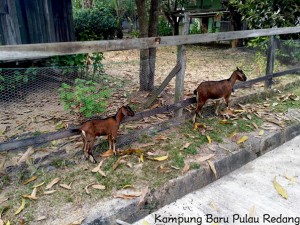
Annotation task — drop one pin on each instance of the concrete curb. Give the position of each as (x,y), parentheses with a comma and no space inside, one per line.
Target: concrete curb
(174,189)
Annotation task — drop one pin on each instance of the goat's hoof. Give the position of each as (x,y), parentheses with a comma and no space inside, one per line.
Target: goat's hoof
(92,159)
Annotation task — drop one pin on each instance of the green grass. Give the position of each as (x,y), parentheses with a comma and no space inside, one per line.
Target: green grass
(149,173)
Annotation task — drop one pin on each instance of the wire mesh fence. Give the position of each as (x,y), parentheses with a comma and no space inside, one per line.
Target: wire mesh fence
(30,100)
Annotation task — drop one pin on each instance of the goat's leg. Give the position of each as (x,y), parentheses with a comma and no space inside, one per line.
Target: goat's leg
(113,141)
(90,150)
(198,110)
(114,145)
(109,142)
(226,100)
(85,145)
(217,107)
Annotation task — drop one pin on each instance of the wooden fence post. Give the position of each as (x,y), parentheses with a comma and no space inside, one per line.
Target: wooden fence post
(181,60)
(270,62)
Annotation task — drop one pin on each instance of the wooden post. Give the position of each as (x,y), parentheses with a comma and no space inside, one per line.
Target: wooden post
(181,60)
(270,62)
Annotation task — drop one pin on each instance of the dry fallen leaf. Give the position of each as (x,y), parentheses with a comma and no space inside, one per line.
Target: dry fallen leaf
(127,196)
(204,158)
(96,169)
(3,199)
(98,186)
(108,153)
(161,138)
(145,222)
(144,194)
(22,206)
(255,125)
(242,139)
(232,134)
(290,178)
(213,206)
(185,169)
(87,190)
(261,132)
(280,189)
(38,185)
(199,125)
(66,186)
(77,222)
(32,196)
(252,211)
(186,145)
(224,122)
(49,192)
(161,158)
(212,167)
(208,139)
(52,183)
(41,218)
(26,155)
(30,180)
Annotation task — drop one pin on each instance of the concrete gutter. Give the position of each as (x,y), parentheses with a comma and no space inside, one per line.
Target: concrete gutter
(129,211)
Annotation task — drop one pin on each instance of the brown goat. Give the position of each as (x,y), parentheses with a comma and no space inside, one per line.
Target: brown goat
(216,89)
(101,127)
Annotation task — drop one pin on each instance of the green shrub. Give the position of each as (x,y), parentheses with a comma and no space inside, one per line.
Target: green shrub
(94,24)
(164,28)
(14,78)
(85,98)
(70,64)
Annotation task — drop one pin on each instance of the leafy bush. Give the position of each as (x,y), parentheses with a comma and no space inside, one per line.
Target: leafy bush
(12,79)
(164,28)
(94,24)
(85,98)
(70,64)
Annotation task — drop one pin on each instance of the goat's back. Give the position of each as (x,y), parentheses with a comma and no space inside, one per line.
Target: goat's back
(213,89)
(100,127)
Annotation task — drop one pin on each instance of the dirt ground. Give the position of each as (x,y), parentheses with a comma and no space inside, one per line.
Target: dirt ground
(42,112)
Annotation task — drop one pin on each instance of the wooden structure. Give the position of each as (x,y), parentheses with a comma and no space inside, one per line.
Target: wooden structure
(32,51)
(32,21)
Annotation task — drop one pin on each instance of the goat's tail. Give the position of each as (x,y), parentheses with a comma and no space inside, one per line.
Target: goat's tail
(83,133)
(75,130)
(196,93)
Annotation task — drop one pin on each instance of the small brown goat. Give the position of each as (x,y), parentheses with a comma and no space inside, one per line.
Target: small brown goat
(216,89)
(101,127)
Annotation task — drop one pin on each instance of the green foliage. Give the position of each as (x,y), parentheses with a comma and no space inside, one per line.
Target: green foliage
(195,28)
(12,79)
(85,98)
(268,13)
(164,28)
(95,24)
(289,51)
(135,33)
(68,62)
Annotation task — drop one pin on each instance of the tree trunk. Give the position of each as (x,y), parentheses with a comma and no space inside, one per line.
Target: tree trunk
(144,53)
(147,56)
(152,32)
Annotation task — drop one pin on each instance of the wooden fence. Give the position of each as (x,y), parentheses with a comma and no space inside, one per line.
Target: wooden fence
(32,51)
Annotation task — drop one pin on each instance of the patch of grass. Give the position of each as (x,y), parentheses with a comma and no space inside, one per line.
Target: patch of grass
(194,166)
(143,139)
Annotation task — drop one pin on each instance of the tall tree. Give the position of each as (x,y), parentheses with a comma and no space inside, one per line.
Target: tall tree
(147,56)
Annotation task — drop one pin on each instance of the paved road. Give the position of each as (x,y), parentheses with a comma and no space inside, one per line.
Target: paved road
(246,196)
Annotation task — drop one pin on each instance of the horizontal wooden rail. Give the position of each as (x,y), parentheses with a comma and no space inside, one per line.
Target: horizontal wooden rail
(44,138)
(33,51)
(18,144)
(259,79)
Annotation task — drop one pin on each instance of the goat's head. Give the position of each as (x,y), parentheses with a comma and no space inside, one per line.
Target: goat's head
(240,74)
(127,111)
